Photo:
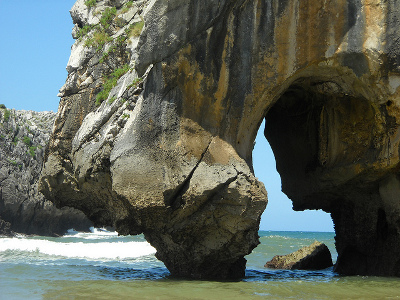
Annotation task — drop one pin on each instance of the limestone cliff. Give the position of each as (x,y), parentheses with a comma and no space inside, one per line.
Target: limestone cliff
(155,130)
(23,137)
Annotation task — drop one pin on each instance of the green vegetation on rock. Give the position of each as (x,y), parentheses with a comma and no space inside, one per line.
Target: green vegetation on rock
(13,162)
(32,151)
(6,115)
(110,82)
(107,17)
(126,7)
(112,99)
(135,83)
(84,31)
(100,37)
(90,3)
(136,29)
(27,141)
(98,40)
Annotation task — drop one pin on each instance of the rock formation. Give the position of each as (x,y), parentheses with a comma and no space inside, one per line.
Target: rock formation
(23,137)
(155,132)
(314,257)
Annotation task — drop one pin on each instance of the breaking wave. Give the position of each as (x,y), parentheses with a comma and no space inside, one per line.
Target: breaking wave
(95,245)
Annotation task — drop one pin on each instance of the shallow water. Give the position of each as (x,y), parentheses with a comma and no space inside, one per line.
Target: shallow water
(101,265)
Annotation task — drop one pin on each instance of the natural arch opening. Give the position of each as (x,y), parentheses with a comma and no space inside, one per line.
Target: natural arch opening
(279,214)
(330,146)
(297,129)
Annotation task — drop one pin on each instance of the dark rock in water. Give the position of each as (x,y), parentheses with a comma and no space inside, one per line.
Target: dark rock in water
(314,257)
(23,138)
(155,130)
(5,228)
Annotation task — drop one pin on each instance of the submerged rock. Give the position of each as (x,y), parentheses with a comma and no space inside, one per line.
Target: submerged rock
(23,138)
(156,127)
(314,257)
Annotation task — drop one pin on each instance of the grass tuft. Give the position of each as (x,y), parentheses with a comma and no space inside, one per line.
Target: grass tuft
(98,40)
(109,83)
(7,115)
(108,16)
(90,3)
(136,29)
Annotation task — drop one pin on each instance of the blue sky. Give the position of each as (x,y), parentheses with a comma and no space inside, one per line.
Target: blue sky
(35,47)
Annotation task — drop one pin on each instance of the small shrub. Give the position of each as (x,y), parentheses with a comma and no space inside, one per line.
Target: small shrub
(13,162)
(112,99)
(32,151)
(104,56)
(84,31)
(90,3)
(110,83)
(107,17)
(27,141)
(118,42)
(119,22)
(6,115)
(136,29)
(126,116)
(2,106)
(98,40)
(126,7)
(121,40)
(15,140)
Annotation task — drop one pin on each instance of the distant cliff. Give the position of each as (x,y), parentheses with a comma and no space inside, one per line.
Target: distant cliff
(23,138)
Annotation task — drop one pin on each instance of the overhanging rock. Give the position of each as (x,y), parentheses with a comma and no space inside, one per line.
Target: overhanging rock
(167,149)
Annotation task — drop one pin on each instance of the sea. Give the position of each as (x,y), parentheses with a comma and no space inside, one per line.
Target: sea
(102,265)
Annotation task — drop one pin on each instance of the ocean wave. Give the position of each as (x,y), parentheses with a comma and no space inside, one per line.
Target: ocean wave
(84,250)
(95,233)
(276,237)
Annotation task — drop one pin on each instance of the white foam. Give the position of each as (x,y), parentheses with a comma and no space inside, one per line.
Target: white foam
(101,250)
(96,233)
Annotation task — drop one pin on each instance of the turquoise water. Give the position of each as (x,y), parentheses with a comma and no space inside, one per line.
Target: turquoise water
(101,265)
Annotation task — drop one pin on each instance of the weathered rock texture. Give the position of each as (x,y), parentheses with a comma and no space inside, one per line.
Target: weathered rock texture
(23,137)
(314,257)
(172,158)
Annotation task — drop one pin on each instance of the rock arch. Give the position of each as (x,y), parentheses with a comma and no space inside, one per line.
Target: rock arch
(332,151)
(179,169)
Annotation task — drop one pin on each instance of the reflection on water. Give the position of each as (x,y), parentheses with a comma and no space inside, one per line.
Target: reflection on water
(290,275)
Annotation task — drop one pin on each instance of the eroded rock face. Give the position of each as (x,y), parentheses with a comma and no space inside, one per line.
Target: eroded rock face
(23,138)
(172,157)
